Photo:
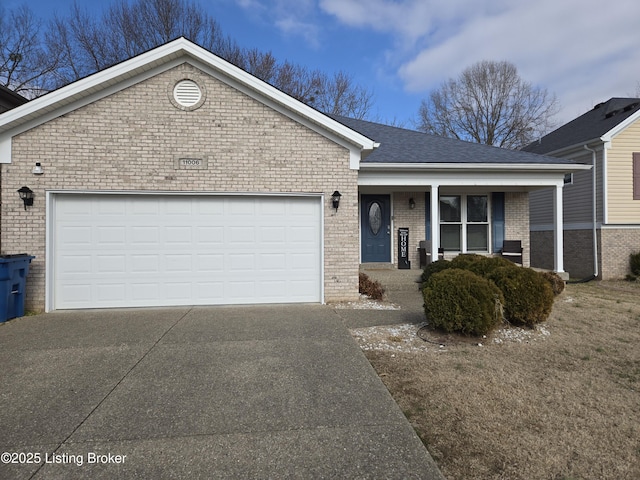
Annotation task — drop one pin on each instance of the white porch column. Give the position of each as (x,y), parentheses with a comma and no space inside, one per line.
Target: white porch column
(435,222)
(558,230)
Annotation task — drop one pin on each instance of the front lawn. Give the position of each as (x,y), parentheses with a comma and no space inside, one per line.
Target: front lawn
(562,402)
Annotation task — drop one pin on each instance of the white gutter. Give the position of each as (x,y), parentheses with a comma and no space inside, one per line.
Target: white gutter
(565,167)
(594,208)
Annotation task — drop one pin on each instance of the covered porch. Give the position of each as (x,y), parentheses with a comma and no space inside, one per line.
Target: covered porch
(455,209)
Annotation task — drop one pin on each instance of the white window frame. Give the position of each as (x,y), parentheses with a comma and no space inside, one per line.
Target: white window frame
(464,223)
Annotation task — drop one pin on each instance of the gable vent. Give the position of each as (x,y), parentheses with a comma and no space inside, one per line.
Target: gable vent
(187,93)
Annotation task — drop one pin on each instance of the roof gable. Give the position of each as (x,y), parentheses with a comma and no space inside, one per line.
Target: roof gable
(599,124)
(159,59)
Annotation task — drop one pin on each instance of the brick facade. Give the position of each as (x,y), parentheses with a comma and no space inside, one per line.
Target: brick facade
(129,141)
(617,243)
(516,222)
(578,251)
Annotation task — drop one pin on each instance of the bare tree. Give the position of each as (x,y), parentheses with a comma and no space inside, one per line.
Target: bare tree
(489,103)
(87,44)
(339,96)
(125,29)
(25,65)
(80,44)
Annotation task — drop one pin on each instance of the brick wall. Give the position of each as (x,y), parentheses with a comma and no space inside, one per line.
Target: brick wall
(617,245)
(614,248)
(578,251)
(130,140)
(542,249)
(516,221)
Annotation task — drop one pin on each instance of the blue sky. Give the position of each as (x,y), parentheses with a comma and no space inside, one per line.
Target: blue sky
(584,51)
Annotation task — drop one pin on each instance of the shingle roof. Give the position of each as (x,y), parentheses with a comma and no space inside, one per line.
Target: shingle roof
(399,145)
(590,126)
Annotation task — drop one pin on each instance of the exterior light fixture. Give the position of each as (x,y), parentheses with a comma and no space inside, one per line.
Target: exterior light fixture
(335,198)
(38,169)
(412,203)
(26,194)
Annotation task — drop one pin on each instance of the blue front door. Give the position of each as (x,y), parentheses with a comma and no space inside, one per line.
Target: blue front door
(375,223)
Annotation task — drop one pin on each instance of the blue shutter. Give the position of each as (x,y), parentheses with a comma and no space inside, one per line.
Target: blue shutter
(427,216)
(497,220)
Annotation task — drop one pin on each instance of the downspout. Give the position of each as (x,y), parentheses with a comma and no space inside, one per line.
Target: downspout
(594,212)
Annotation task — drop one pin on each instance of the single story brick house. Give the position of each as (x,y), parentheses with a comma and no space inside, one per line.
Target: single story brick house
(176,178)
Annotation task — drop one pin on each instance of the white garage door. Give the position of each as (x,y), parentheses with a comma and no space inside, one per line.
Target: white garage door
(151,250)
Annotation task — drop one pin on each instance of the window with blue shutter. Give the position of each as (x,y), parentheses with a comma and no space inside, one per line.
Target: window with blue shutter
(497,220)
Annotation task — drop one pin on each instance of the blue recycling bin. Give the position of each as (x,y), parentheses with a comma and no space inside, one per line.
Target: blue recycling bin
(13,276)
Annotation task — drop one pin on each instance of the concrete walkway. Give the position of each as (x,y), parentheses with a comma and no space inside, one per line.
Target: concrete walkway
(215,392)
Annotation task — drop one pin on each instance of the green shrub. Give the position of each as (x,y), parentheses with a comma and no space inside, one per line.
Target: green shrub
(555,282)
(634,263)
(435,267)
(528,296)
(457,300)
(484,266)
(466,261)
(371,288)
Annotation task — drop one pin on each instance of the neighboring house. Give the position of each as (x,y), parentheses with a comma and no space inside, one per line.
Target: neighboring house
(176,178)
(601,211)
(10,99)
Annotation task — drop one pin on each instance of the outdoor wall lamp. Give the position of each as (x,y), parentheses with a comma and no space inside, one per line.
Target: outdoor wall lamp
(26,194)
(412,203)
(38,169)
(335,198)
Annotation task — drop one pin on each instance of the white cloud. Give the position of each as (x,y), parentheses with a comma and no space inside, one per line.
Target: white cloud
(585,51)
(291,17)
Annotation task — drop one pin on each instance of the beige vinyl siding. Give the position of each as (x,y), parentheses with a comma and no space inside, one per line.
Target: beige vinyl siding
(623,209)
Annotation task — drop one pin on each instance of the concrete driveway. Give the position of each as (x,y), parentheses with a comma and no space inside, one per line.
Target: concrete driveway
(203,392)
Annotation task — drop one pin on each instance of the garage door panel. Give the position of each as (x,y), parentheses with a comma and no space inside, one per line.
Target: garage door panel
(144,291)
(209,236)
(106,293)
(111,264)
(111,235)
(240,206)
(209,263)
(75,235)
(75,264)
(272,262)
(144,264)
(179,290)
(125,250)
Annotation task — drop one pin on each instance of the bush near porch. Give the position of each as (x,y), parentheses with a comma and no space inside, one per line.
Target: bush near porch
(467,285)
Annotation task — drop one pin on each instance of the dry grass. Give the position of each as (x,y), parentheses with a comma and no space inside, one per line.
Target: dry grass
(560,406)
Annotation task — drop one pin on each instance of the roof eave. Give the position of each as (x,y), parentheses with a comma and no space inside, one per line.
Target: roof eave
(560,167)
(157,57)
(607,137)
